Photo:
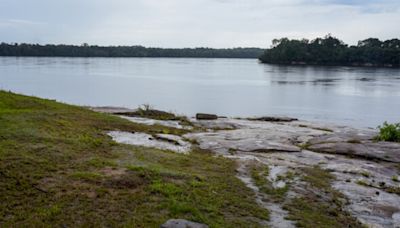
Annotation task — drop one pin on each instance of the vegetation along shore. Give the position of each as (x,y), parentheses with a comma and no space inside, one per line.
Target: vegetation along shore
(330,51)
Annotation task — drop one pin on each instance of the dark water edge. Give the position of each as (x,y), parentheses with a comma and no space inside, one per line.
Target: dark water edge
(307,64)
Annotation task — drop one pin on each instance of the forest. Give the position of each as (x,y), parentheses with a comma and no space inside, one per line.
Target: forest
(86,50)
(330,50)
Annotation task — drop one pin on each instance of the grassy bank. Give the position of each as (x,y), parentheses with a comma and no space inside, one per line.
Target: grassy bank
(59,168)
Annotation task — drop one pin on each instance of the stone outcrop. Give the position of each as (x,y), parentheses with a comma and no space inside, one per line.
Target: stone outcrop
(366,172)
(356,146)
(159,141)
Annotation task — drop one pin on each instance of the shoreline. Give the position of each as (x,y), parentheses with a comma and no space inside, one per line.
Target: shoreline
(155,166)
(286,146)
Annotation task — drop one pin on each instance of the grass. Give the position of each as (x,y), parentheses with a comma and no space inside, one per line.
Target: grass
(59,168)
(321,205)
(395,178)
(365,174)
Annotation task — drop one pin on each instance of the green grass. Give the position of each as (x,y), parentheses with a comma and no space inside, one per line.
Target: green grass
(321,205)
(59,168)
(395,178)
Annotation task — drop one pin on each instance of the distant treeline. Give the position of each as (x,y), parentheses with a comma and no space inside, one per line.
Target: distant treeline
(332,51)
(86,50)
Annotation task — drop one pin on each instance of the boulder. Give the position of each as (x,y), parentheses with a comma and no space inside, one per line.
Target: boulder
(204,116)
(182,223)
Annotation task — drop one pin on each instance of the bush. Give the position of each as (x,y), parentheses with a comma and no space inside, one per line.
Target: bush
(389,132)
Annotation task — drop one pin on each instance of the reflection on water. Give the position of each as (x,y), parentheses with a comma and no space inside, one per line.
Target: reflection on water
(232,87)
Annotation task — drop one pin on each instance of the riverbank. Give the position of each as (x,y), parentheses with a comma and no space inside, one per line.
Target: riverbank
(58,167)
(79,167)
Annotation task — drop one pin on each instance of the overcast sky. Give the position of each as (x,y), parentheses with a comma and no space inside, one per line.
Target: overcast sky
(194,23)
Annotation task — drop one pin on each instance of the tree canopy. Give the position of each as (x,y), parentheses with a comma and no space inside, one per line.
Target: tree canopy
(86,50)
(330,50)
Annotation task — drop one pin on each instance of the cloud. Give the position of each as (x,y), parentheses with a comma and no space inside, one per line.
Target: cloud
(19,23)
(189,23)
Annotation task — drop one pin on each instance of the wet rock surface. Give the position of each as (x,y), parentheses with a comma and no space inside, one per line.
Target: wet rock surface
(161,141)
(357,145)
(360,165)
(210,125)
(252,136)
(366,173)
(167,123)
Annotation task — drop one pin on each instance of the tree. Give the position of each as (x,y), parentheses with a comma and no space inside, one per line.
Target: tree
(330,50)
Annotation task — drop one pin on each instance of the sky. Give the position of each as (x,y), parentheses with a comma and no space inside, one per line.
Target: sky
(195,23)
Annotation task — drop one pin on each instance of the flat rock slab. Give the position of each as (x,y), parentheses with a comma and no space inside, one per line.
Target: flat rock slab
(219,124)
(174,139)
(182,223)
(243,140)
(165,142)
(150,122)
(368,161)
(356,145)
(252,136)
(371,206)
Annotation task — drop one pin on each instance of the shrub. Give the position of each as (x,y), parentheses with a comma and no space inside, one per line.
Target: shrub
(389,132)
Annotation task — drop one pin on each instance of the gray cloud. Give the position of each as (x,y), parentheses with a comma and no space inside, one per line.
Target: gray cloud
(189,23)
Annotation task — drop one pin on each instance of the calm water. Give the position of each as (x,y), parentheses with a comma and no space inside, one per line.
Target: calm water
(233,87)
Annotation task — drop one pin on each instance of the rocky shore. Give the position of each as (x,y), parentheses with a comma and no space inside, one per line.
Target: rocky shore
(295,167)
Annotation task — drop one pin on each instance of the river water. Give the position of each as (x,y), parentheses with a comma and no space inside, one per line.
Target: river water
(361,97)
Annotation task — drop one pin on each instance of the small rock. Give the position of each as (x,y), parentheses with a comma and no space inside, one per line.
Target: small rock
(182,223)
(273,119)
(204,116)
